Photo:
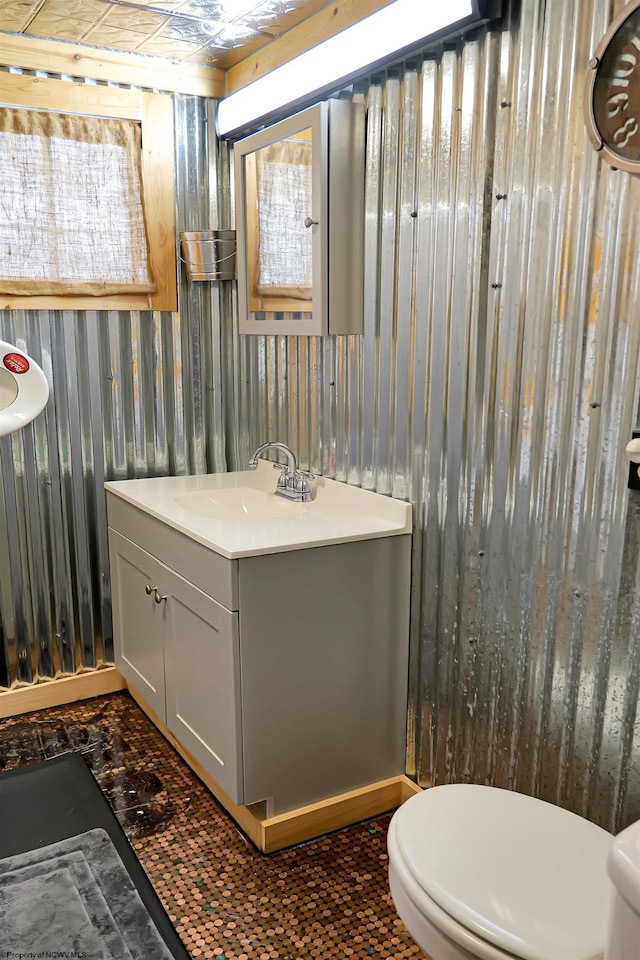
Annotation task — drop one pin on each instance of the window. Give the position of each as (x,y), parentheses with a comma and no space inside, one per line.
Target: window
(82,236)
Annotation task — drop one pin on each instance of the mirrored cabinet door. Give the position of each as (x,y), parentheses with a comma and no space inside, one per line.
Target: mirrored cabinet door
(300,223)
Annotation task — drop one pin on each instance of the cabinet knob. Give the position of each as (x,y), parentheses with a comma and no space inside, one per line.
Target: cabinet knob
(158,597)
(149,590)
(308,222)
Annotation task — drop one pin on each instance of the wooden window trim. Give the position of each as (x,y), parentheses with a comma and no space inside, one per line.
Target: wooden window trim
(154,111)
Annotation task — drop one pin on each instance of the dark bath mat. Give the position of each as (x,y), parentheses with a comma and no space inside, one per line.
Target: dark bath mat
(62,847)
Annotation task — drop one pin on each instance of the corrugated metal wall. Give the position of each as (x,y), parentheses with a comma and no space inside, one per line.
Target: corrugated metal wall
(133,394)
(495,386)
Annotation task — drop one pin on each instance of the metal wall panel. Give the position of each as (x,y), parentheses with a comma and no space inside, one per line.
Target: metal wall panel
(132,394)
(495,386)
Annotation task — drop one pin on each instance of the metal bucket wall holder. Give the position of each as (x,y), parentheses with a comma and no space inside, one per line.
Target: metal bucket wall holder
(209,254)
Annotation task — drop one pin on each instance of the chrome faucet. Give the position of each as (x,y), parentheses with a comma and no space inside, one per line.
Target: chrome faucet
(292,465)
(292,482)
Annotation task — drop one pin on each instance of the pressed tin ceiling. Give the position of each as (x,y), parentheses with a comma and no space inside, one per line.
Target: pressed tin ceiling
(212,32)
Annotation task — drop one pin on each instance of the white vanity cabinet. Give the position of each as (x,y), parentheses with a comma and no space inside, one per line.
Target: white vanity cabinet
(284,674)
(178,648)
(138,620)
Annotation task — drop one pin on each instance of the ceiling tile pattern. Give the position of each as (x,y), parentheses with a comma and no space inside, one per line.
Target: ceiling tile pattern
(210,32)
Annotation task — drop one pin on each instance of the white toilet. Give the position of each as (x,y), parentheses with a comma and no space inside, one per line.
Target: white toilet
(479,872)
(24,390)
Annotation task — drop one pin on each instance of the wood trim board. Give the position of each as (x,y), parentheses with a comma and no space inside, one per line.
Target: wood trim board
(76,60)
(321,25)
(56,692)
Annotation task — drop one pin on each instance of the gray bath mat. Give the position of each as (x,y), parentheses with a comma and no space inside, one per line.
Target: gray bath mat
(75,898)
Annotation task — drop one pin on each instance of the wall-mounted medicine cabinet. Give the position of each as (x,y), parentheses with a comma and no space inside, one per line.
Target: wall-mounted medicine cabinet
(300,223)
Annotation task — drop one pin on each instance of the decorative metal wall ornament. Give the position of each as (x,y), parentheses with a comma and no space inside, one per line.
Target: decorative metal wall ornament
(612,92)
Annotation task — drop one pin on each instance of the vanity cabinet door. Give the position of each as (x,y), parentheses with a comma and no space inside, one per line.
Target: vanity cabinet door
(137,620)
(202,677)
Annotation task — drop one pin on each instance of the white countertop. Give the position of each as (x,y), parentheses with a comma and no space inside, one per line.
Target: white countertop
(268,524)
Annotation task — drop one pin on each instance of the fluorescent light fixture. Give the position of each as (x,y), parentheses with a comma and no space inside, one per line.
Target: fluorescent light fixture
(400,27)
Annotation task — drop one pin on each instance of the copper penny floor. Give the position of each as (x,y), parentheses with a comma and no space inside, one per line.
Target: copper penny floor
(327,898)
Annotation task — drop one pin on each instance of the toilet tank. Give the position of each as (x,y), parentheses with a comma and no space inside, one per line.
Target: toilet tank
(623,866)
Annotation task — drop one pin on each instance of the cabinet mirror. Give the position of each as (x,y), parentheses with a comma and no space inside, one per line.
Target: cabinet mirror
(299,218)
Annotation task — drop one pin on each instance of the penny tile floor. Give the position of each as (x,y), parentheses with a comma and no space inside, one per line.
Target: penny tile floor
(327,898)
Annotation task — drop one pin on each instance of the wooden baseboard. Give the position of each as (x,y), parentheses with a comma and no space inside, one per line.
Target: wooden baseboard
(408,789)
(305,823)
(55,693)
(334,813)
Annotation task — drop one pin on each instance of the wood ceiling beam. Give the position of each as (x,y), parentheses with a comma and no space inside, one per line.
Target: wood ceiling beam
(309,33)
(69,59)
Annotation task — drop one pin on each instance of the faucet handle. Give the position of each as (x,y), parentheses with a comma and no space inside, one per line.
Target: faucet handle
(302,485)
(302,480)
(284,478)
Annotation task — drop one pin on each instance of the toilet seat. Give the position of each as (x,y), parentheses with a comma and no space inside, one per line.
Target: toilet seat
(415,907)
(503,874)
(24,390)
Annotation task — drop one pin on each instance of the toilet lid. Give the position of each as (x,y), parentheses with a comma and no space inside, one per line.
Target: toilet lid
(524,875)
(24,390)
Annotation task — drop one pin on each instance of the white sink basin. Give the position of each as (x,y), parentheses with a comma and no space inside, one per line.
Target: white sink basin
(237,504)
(240,515)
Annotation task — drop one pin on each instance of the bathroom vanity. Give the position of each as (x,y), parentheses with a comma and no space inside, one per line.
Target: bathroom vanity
(268,639)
